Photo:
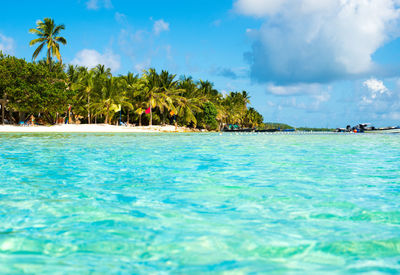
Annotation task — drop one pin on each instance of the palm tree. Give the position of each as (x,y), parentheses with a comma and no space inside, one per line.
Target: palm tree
(48,33)
(253,118)
(102,71)
(72,74)
(112,97)
(235,104)
(186,109)
(156,94)
(169,86)
(132,89)
(85,85)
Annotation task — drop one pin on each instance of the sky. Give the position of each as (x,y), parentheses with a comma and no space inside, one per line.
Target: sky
(312,63)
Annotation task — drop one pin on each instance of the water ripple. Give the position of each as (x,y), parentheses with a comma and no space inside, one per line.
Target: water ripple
(195,203)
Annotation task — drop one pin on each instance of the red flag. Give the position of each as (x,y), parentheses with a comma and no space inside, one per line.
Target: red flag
(148,110)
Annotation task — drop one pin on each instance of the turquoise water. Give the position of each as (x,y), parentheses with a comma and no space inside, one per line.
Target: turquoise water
(196,203)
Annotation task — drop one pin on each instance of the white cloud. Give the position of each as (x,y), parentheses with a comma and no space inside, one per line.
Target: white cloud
(317,41)
(302,96)
(97,4)
(7,44)
(376,88)
(120,18)
(296,89)
(160,26)
(92,5)
(258,8)
(91,58)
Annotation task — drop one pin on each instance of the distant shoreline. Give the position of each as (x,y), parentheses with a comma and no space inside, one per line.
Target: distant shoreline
(93,128)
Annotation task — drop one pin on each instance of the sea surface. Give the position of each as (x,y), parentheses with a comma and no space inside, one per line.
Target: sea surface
(199,203)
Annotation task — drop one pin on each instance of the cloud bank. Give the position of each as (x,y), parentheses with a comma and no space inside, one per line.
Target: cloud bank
(314,41)
(91,58)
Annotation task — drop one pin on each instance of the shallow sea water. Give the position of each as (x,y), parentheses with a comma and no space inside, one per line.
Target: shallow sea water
(197,203)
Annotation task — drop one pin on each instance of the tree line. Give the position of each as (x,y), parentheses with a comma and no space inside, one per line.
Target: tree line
(96,96)
(51,90)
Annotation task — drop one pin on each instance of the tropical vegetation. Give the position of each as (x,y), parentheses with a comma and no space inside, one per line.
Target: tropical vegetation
(55,93)
(48,35)
(96,96)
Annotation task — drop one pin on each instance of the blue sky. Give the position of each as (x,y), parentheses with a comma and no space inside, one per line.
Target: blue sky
(304,62)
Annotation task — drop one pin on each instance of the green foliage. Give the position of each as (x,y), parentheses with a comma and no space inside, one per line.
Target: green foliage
(235,107)
(272,125)
(32,88)
(210,116)
(253,118)
(96,96)
(48,37)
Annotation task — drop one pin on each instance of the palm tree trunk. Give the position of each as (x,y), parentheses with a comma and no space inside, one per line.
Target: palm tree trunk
(151,116)
(140,119)
(49,58)
(107,114)
(88,112)
(127,119)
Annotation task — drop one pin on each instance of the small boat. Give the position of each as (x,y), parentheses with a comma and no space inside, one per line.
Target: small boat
(367,128)
(239,130)
(393,129)
(233,128)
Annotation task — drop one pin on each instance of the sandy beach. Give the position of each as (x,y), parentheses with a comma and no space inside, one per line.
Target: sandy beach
(92,128)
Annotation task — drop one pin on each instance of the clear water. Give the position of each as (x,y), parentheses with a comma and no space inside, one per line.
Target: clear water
(196,203)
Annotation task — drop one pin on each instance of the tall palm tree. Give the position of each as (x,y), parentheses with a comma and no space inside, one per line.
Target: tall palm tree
(85,85)
(112,97)
(155,93)
(48,33)
(133,93)
(169,86)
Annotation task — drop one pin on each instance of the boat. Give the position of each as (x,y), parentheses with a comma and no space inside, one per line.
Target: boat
(393,129)
(368,128)
(239,130)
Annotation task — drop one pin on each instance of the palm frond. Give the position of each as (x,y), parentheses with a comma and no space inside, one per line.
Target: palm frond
(37,51)
(36,31)
(34,41)
(58,28)
(61,39)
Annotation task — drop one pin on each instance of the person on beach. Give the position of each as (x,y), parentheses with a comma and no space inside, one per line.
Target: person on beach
(32,118)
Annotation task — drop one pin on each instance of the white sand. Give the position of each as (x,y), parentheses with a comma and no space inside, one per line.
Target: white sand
(92,128)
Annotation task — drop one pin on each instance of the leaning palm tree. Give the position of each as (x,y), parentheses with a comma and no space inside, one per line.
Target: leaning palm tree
(48,33)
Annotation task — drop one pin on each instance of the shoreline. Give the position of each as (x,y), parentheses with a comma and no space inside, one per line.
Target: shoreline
(93,128)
